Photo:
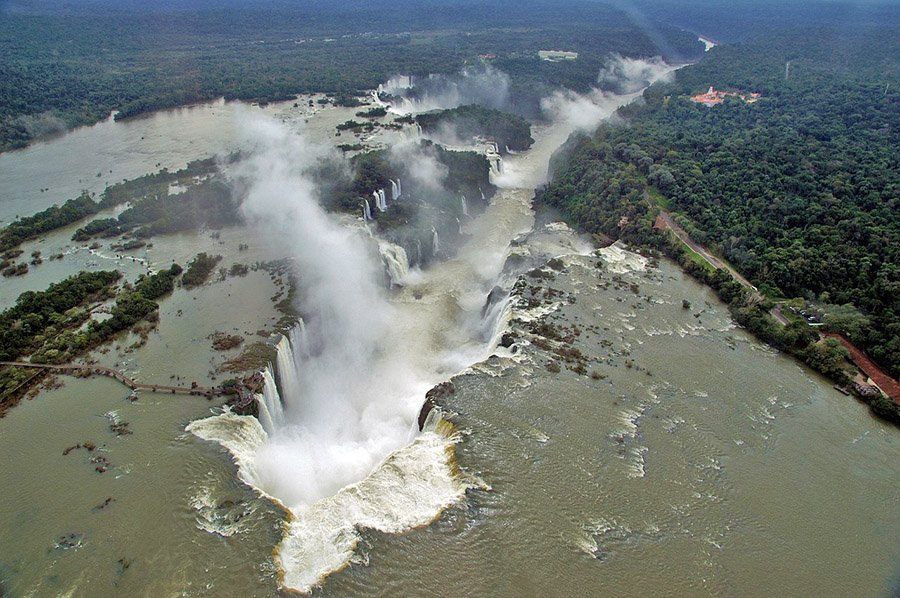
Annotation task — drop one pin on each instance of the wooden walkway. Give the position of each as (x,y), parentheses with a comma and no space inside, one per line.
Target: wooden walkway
(75,369)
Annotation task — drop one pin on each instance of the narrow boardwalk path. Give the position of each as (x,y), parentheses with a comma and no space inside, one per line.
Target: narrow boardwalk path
(112,373)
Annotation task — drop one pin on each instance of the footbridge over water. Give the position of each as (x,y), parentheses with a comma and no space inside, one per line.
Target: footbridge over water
(98,370)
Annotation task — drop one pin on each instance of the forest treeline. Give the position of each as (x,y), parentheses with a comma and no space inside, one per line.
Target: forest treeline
(798,190)
(209,203)
(64,70)
(511,132)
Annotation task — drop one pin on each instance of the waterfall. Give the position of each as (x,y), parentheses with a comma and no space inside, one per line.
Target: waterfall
(459,226)
(286,362)
(418,251)
(380,200)
(395,189)
(435,241)
(483,198)
(395,262)
(271,411)
(367,210)
(271,408)
(465,207)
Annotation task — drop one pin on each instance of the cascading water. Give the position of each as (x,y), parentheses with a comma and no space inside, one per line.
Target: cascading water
(336,439)
(367,211)
(496,163)
(435,241)
(395,261)
(464,205)
(395,189)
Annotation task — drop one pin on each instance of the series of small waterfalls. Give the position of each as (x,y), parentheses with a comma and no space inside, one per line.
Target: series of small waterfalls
(381,201)
(492,153)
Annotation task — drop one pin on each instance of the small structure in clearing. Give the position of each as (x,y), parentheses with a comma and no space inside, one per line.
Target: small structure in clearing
(557,55)
(713,97)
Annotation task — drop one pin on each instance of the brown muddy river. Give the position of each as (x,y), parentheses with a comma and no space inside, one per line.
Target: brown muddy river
(695,461)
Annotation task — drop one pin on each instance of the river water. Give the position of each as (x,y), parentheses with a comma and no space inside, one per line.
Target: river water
(697,461)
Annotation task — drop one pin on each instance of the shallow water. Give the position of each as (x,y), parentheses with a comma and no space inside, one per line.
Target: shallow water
(728,469)
(91,158)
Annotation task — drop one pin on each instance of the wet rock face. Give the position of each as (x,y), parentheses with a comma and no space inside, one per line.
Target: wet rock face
(243,405)
(435,398)
(496,294)
(508,339)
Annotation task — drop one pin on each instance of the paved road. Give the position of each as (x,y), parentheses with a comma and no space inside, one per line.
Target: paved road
(775,312)
(888,385)
(665,220)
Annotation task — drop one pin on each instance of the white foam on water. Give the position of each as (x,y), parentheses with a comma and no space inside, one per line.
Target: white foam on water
(410,488)
(621,261)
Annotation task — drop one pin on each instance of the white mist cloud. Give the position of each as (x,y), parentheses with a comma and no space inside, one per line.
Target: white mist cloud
(625,76)
(628,75)
(337,424)
(483,85)
(427,172)
(332,261)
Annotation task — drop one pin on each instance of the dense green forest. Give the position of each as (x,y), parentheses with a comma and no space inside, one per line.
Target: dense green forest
(48,325)
(24,327)
(508,130)
(50,219)
(798,190)
(62,70)
(199,269)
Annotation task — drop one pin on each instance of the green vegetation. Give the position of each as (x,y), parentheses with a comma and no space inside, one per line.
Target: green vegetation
(96,227)
(467,174)
(209,203)
(158,285)
(376,112)
(71,68)
(352,125)
(508,130)
(48,325)
(798,190)
(199,270)
(50,219)
(56,325)
(157,183)
(37,316)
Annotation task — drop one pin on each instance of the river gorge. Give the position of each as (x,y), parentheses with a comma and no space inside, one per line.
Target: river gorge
(671,454)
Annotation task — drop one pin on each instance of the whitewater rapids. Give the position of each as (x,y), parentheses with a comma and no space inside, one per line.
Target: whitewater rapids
(337,443)
(386,475)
